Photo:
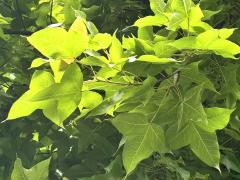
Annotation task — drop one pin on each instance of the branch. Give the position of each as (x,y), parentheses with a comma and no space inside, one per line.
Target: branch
(119,83)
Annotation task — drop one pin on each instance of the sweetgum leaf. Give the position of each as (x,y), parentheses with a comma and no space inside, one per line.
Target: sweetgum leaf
(157,6)
(218,119)
(38,171)
(143,137)
(57,43)
(57,100)
(156,20)
(204,144)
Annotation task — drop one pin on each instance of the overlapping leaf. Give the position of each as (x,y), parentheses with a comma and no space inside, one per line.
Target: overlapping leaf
(57,100)
(143,137)
(38,172)
(57,43)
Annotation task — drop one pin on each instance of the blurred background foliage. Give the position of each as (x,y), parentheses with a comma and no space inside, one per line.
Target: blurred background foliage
(77,155)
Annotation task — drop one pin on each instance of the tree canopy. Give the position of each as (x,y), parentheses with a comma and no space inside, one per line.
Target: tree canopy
(126,89)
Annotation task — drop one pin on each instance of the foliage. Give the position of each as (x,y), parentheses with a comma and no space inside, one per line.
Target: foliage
(128,89)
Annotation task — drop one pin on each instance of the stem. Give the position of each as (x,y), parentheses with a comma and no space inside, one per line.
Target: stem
(119,83)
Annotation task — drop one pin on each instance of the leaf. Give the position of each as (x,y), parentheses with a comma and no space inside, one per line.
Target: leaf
(65,96)
(182,109)
(205,146)
(157,6)
(18,171)
(225,48)
(91,28)
(70,6)
(177,139)
(185,43)
(175,20)
(143,137)
(37,172)
(179,13)
(225,33)
(208,14)
(57,43)
(163,49)
(193,22)
(116,50)
(89,101)
(151,21)
(155,59)
(79,27)
(95,61)
(56,92)
(182,6)
(38,62)
(191,73)
(22,107)
(70,86)
(100,41)
(143,47)
(197,133)
(209,40)
(212,40)
(58,67)
(146,33)
(231,162)
(57,100)
(73,75)
(218,119)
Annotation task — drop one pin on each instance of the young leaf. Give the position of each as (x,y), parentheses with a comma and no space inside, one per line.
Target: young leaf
(79,27)
(151,21)
(100,61)
(193,22)
(146,33)
(116,50)
(23,107)
(155,59)
(100,41)
(162,49)
(89,101)
(211,41)
(157,6)
(182,6)
(57,43)
(57,100)
(38,62)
